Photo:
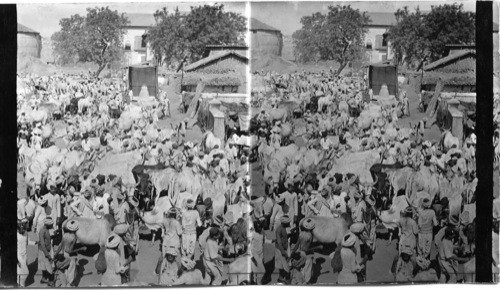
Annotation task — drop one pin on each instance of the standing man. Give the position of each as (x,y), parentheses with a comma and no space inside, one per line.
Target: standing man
(190,220)
(281,251)
(212,260)
(54,202)
(406,105)
(303,245)
(359,208)
(291,199)
(126,251)
(22,247)
(84,206)
(45,253)
(427,220)
(448,260)
(67,246)
(122,209)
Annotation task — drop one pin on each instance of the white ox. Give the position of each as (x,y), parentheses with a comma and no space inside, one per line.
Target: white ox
(121,165)
(358,163)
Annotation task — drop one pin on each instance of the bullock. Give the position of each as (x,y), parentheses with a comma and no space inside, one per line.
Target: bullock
(359,163)
(379,173)
(390,218)
(286,154)
(120,165)
(324,102)
(153,220)
(343,107)
(184,183)
(240,270)
(279,114)
(272,172)
(329,230)
(124,123)
(398,178)
(39,116)
(93,231)
(84,104)
(448,141)
(209,141)
(160,177)
(286,131)
(52,108)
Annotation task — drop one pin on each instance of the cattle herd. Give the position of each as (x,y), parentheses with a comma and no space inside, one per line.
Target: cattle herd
(324,169)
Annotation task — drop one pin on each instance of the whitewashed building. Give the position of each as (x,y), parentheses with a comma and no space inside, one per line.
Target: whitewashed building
(376,40)
(137,48)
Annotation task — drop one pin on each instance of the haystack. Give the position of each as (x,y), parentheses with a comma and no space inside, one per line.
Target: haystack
(451,79)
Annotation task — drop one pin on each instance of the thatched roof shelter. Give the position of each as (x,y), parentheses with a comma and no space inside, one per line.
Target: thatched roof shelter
(451,79)
(450,59)
(192,79)
(216,57)
(455,70)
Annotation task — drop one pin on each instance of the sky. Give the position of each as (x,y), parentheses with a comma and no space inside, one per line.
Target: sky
(285,16)
(44,18)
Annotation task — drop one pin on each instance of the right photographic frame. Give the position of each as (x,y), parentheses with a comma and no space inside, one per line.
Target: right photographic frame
(368,117)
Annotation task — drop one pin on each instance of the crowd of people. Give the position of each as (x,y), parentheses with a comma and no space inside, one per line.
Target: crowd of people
(423,188)
(99,164)
(68,200)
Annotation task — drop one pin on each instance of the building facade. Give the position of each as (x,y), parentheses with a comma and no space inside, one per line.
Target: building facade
(265,39)
(137,48)
(29,42)
(376,40)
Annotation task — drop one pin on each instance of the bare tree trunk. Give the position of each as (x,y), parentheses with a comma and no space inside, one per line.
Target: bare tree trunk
(341,68)
(181,65)
(100,69)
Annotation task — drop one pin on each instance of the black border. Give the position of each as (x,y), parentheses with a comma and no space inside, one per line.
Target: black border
(484,132)
(8,137)
(8,146)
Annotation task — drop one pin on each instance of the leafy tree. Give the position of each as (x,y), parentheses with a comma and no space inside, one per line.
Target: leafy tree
(309,39)
(448,24)
(96,38)
(167,36)
(178,38)
(410,29)
(337,36)
(66,41)
(418,38)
